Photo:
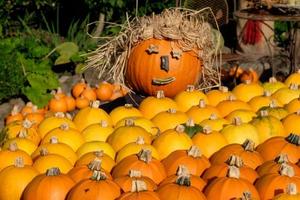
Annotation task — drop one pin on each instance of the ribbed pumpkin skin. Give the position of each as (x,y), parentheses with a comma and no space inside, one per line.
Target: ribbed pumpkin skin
(82,172)
(96,132)
(125,183)
(42,163)
(144,195)
(246,91)
(291,123)
(293,106)
(216,96)
(215,124)
(23,144)
(198,114)
(8,157)
(122,112)
(286,95)
(293,78)
(245,115)
(196,181)
(142,122)
(271,167)
(96,146)
(142,68)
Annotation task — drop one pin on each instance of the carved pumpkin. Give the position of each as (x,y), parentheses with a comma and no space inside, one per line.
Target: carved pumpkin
(122,112)
(291,193)
(165,66)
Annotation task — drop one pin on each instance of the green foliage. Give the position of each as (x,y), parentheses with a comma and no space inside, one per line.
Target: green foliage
(192,130)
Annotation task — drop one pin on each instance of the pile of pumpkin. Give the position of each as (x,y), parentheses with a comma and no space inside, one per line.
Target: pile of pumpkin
(240,144)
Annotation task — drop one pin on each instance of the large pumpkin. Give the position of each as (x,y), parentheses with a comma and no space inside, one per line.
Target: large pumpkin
(156,64)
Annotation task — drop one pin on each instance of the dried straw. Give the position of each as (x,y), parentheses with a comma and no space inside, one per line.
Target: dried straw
(188,29)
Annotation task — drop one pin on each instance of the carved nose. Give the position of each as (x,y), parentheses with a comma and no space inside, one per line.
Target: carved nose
(164,63)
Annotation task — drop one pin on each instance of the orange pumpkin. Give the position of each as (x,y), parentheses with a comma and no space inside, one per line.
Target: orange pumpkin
(291,122)
(249,75)
(166,64)
(248,90)
(78,88)
(14,115)
(216,96)
(82,102)
(89,93)
(293,106)
(104,91)
(58,104)
(291,193)
(227,106)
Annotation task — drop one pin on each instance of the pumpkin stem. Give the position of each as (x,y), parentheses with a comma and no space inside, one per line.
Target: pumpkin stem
(273,104)
(248,82)
(15,110)
(19,162)
(160,94)
(233,172)
(98,176)
(128,105)
(27,123)
(202,103)
(237,121)
(138,186)
(194,152)
(179,129)
(95,164)
(129,122)
(267,93)
(69,116)
(183,181)
(291,189)
(248,145)
(264,113)
(140,140)
(103,123)
(293,139)
(286,170)
(223,89)
(272,79)
(22,133)
(213,116)
(231,98)
(234,160)
(190,122)
(293,86)
(34,109)
(53,140)
(53,171)
(13,146)
(44,151)
(282,158)
(59,115)
(64,126)
(172,111)
(190,88)
(29,104)
(135,174)
(99,153)
(145,155)
(247,196)
(207,129)
(182,170)
(95,104)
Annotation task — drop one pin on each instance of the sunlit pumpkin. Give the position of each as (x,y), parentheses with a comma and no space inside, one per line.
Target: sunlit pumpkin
(217,95)
(290,194)
(275,110)
(23,144)
(216,123)
(97,132)
(122,112)
(273,85)
(285,95)
(294,78)
(227,106)
(14,115)
(104,91)
(248,90)
(245,115)
(291,123)
(293,106)
(265,100)
(96,146)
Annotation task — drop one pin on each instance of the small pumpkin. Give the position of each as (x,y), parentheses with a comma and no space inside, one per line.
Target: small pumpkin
(14,115)
(143,122)
(285,95)
(248,90)
(249,75)
(245,115)
(71,103)
(291,122)
(227,106)
(273,85)
(51,185)
(291,193)
(293,106)
(104,91)
(89,93)
(81,102)
(259,102)
(96,146)
(58,104)
(23,144)
(217,95)
(78,88)
(293,79)
(274,110)
(122,112)
(97,132)
(216,123)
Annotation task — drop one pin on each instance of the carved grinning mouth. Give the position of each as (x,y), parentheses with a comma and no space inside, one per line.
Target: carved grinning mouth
(163,81)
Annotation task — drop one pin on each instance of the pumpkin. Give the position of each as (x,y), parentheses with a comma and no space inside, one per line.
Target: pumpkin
(56,147)
(169,119)
(293,79)
(30,107)
(230,187)
(151,106)
(191,159)
(246,151)
(51,185)
(9,155)
(53,122)
(274,110)
(293,106)
(249,75)
(125,182)
(285,95)
(97,132)
(35,117)
(144,162)
(291,122)
(66,135)
(107,162)
(216,123)
(248,90)
(271,185)
(274,146)
(273,166)
(166,63)
(127,134)
(139,191)
(143,122)
(122,112)
(98,186)
(135,147)
(172,140)
(182,170)
(217,95)
(58,104)
(245,115)
(227,106)
(238,132)
(89,93)
(14,115)
(23,144)
(82,102)
(71,103)
(91,115)
(202,111)
(82,172)
(189,97)
(78,88)
(96,146)
(10,188)
(104,91)
(180,190)
(268,126)
(291,193)
(273,85)
(259,102)
(209,141)
(221,170)
(45,161)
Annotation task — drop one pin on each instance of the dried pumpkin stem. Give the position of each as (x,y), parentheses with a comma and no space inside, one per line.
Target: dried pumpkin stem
(264,113)
(273,104)
(235,160)
(15,110)
(223,89)
(138,186)
(180,129)
(160,94)
(44,151)
(145,155)
(207,129)
(64,126)
(140,140)
(19,162)
(182,170)
(54,140)
(53,171)
(233,172)
(213,116)
(129,122)
(286,170)
(95,104)
(135,174)
(128,105)
(202,103)
(183,180)
(272,79)
(172,111)
(190,88)
(282,158)
(103,123)
(98,175)
(237,121)
(293,139)
(27,123)
(13,146)
(294,86)
(99,153)
(59,115)
(267,93)
(248,145)
(95,164)
(247,196)
(190,122)
(231,98)
(194,152)
(292,189)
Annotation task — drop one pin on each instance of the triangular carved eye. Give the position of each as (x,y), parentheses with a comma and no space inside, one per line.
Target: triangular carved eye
(176,53)
(152,49)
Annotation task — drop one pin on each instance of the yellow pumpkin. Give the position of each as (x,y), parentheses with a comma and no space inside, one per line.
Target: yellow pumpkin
(122,112)
(23,144)
(151,106)
(127,134)
(188,98)
(96,146)
(169,119)
(259,102)
(209,141)
(293,106)
(291,193)
(97,132)
(285,95)
(246,91)
(291,123)
(216,96)
(216,124)
(55,147)
(53,122)
(268,126)
(238,132)
(91,115)
(202,111)
(245,115)
(172,140)
(274,110)
(143,122)
(293,79)
(227,106)
(134,148)
(66,135)
(273,85)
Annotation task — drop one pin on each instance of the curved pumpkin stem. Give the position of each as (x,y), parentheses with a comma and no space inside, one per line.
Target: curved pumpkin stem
(248,145)
(182,170)
(135,173)
(53,171)
(13,146)
(286,170)
(145,155)
(291,189)
(98,175)
(233,172)
(95,164)
(194,152)
(138,186)
(183,180)
(19,162)
(234,160)
(293,139)
(282,158)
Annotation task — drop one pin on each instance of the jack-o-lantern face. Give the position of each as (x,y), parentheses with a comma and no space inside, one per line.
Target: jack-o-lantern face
(161,65)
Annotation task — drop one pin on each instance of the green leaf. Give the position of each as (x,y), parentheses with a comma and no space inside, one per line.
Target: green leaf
(36,96)
(192,130)
(67,48)
(79,68)
(63,59)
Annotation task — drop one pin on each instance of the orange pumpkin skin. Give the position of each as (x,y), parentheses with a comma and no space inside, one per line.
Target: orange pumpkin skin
(140,74)
(49,186)
(196,181)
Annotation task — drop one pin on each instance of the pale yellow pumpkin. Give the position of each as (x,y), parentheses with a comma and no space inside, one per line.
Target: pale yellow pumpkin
(273,85)
(97,132)
(285,95)
(293,79)
(172,140)
(274,110)
(143,122)
(217,95)
(245,115)
(23,144)
(291,123)
(216,123)
(248,90)
(96,146)
(293,106)
(188,98)
(227,106)
(122,112)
